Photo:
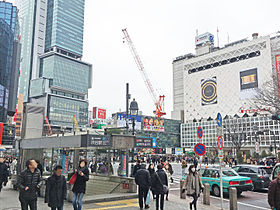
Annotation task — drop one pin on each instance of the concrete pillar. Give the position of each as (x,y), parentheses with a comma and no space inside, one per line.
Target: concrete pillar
(206,194)
(182,195)
(232,198)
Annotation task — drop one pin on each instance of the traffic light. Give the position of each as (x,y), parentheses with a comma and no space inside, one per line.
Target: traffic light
(276,116)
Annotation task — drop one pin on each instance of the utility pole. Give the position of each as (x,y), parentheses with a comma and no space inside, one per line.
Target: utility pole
(127,127)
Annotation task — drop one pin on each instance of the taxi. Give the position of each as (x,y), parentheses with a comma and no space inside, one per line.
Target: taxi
(229,178)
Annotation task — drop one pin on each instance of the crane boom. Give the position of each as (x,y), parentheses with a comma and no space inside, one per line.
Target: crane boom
(158,103)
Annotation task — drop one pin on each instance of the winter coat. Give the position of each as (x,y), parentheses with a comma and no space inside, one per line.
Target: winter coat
(193,184)
(135,169)
(143,178)
(56,191)
(3,173)
(80,184)
(159,179)
(274,194)
(30,180)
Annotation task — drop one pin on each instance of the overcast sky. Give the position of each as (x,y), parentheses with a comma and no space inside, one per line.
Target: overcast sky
(161,30)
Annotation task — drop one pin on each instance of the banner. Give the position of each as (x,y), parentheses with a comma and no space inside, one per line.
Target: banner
(76,124)
(121,121)
(153,124)
(1,132)
(209,91)
(277,60)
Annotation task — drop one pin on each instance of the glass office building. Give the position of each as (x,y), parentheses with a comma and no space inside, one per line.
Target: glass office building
(65,25)
(8,56)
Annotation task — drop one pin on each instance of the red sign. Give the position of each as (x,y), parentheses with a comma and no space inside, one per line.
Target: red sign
(199,132)
(277,60)
(1,132)
(200,149)
(102,114)
(220,143)
(99,113)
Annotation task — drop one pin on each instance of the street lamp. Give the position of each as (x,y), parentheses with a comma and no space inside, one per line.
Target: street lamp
(133,113)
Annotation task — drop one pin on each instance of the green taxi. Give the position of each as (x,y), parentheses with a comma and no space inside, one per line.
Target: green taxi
(229,177)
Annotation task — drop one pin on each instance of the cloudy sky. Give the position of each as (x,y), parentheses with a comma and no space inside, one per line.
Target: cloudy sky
(161,30)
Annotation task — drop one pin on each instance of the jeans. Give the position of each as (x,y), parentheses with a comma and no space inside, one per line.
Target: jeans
(25,203)
(142,193)
(161,201)
(77,201)
(57,208)
(194,201)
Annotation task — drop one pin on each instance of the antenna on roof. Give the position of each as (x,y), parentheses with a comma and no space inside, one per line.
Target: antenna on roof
(218,36)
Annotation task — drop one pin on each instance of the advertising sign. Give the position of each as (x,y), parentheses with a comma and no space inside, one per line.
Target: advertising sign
(154,142)
(96,141)
(179,151)
(1,95)
(1,132)
(169,151)
(153,124)
(143,142)
(277,60)
(248,83)
(121,121)
(204,38)
(99,113)
(209,91)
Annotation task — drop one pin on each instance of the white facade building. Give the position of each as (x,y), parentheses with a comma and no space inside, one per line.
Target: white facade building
(224,80)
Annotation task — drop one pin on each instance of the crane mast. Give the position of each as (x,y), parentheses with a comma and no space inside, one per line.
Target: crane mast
(159,103)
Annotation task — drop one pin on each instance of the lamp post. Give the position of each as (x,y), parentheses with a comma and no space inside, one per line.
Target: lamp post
(133,112)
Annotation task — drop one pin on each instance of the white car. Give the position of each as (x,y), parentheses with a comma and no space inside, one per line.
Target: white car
(275,170)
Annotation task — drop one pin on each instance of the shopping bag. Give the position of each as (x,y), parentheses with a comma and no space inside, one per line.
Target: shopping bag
(73,178)
(148,199)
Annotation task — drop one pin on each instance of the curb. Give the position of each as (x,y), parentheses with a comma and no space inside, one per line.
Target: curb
(94,199)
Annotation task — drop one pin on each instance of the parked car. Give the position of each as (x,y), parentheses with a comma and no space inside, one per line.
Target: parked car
(258,173)
(274,171)
(229,177)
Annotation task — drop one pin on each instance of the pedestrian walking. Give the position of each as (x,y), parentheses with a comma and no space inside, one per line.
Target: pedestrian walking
(193,185)
(29,181)
(136,168)
(158,180)
(274,193)
(184,166)
(152,172)
(143,180)
(56,189)
(3,173)
(79,188)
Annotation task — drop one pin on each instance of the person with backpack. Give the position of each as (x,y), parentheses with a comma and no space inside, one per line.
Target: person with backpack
(56,189)
(159,186)
(3,173)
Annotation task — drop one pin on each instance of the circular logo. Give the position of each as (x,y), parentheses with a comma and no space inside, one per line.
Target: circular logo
(209,91)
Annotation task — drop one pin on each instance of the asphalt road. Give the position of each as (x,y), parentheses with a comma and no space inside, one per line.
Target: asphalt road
(248,200)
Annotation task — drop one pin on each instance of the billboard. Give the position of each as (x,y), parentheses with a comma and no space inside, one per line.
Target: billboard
(179,151)
(204,38)
(2,89)
(209,91)
(143,142)
(99,113)
(277,60)
(153,124)
(121,121)
(248,83)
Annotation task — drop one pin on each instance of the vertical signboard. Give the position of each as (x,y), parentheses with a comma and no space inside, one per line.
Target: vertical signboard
(1,132)
(277,60)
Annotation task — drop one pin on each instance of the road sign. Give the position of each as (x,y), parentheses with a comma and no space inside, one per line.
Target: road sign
(219,120)
(219,131)
(220,143)
(199,132)
(200,149)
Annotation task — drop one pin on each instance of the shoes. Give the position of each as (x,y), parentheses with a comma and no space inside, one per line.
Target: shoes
(147,207)
(167,198)
(190,206)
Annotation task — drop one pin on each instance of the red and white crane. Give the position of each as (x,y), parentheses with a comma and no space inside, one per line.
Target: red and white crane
(158,100)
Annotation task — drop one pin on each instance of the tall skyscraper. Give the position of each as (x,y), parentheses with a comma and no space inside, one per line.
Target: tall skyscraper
(9,59)
(60,80)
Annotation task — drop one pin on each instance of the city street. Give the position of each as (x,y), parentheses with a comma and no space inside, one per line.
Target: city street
(248,200)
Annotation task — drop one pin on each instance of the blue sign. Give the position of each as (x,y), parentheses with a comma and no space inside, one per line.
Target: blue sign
(200,149)
(199,132)
(154,142)
(219,120)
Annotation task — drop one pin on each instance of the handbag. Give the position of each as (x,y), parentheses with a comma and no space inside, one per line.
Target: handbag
(165,188)
(73,178)
(148,199)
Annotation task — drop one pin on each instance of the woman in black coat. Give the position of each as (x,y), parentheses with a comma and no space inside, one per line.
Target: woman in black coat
(56,189)
(79,188)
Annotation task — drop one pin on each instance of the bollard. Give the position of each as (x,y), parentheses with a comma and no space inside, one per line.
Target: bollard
(182,195)
(206,194)
(232,198)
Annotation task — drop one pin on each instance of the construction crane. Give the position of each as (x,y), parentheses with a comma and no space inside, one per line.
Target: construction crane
(158,100)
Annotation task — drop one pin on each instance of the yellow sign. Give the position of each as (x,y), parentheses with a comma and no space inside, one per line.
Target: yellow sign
(76,124)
